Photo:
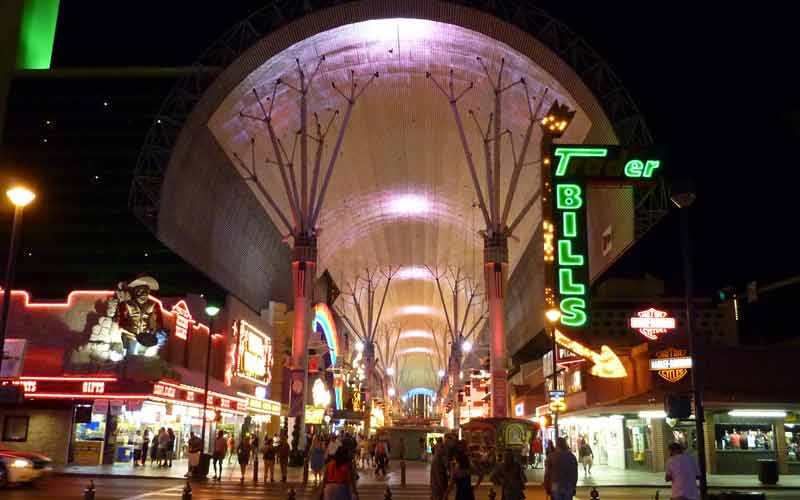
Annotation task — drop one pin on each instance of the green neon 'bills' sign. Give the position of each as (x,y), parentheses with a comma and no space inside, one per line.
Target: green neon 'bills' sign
(575,166)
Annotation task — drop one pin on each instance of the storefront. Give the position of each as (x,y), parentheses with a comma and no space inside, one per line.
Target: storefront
(605,435)
(744,436)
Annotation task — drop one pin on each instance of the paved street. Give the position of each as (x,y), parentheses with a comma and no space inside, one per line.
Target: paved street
(142,488)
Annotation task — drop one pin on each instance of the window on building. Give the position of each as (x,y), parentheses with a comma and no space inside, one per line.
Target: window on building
(15,428)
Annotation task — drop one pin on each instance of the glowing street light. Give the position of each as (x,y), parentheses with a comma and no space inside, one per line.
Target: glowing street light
(466,346)
(440,372)
(19,197)
(360,346)
(211,311)
(390,371)
(391,392)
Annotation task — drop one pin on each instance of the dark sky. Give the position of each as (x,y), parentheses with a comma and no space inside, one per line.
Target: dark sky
(718,87)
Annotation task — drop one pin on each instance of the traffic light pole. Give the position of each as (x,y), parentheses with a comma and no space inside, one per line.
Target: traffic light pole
(695,353)
(555,380)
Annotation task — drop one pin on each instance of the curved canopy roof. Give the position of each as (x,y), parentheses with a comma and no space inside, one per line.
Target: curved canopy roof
(400,193)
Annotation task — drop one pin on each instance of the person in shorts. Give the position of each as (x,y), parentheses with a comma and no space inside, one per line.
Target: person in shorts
(218,458)
(587,457)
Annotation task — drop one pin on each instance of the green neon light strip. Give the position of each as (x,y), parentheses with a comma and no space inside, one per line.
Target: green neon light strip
(570,225)
(566,154)
(565,255)
(567,286)
(37,34)
(568,197)
(573,311)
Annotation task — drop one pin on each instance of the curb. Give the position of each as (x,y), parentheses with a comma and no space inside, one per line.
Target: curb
(529,485)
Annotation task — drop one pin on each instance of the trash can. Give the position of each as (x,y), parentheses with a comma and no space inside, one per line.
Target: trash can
(768,471)
(124,454)
(205,463)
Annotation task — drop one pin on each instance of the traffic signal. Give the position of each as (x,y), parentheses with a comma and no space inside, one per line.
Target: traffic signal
(677,406)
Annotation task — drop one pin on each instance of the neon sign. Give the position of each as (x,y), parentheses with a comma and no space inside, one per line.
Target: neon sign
(182,319)
(255,354)
(671,364)
(94,387)
(324,319)
(652,323)
(575,166)
(164,390)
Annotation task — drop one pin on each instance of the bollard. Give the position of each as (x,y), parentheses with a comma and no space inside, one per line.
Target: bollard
(492,494)
(388,494)
(187,492)
(88,493)
(594,495)
(292,495)
(403,472)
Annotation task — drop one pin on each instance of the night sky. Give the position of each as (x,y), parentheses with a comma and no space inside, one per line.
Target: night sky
(719,89)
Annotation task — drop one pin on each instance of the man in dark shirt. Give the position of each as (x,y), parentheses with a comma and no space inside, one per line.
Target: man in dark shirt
(439,473)
(561,472)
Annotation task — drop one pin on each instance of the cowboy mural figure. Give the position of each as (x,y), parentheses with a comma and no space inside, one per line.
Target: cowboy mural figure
(138,317)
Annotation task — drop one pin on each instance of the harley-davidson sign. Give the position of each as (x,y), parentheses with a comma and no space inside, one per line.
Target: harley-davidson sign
(671,364)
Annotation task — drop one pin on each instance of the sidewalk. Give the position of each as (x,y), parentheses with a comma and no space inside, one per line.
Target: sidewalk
(606,476)
(418,473)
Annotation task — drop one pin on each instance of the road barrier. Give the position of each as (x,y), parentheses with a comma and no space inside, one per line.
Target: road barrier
(594,495)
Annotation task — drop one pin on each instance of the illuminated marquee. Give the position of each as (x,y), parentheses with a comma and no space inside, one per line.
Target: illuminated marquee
(254,355)
(574,166)
(652,323)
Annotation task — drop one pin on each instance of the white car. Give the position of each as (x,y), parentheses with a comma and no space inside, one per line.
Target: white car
(22,467)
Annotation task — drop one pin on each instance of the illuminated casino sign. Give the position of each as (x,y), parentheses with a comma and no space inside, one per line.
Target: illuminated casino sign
(652,323)
(183,319)
(574,167)
(254,354)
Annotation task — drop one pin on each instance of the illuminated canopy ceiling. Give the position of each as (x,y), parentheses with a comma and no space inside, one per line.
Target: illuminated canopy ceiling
(400,193)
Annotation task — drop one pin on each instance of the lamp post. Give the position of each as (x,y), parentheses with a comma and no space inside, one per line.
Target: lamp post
(19,197)
(553,315)
(683,196)
(211,311)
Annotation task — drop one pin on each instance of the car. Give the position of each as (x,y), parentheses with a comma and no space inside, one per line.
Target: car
(22,466)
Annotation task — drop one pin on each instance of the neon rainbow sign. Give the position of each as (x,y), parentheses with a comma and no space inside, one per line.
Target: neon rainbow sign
(324,319)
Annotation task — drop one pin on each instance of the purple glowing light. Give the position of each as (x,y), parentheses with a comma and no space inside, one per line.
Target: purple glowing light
(408,205)
(417,310)
(413,273)
(416,334)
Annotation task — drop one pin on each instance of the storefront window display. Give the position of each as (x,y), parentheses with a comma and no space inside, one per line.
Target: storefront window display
(638,448)
(741,441)
(792,436)
(603,434)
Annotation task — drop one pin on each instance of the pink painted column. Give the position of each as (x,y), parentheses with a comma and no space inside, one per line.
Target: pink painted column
(495,258)
(303,275)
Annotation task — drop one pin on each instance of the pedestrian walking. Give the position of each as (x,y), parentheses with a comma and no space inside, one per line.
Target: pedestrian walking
(510,476)
(317,459)
(154,449)
(268,454)
(439,473)
(283,458)
(537,449)
(170,446)
(218,457)
(137,448)
(194,448)
(231,448)
(561,472)
(461,474)
(682,472)
(339,481)
(381,454)
(163,443)
(243,455)
(587,457)
(145,446)
(525,454)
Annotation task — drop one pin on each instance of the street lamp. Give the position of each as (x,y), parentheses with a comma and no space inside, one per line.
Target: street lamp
(211,312)
(683,196)
(391,392)
(390,371)
(19,197)
(553,315)
(466,346)
(440,372)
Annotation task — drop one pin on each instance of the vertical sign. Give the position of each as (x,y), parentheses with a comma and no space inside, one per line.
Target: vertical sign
(571,261)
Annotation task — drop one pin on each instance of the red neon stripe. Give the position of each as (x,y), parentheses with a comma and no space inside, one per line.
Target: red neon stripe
(70,379)
(185,387)
(55,395)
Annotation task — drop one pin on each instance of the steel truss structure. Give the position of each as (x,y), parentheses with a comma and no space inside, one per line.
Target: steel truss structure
(617,103)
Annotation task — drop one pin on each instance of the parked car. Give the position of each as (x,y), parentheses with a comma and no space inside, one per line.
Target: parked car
(22,466)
